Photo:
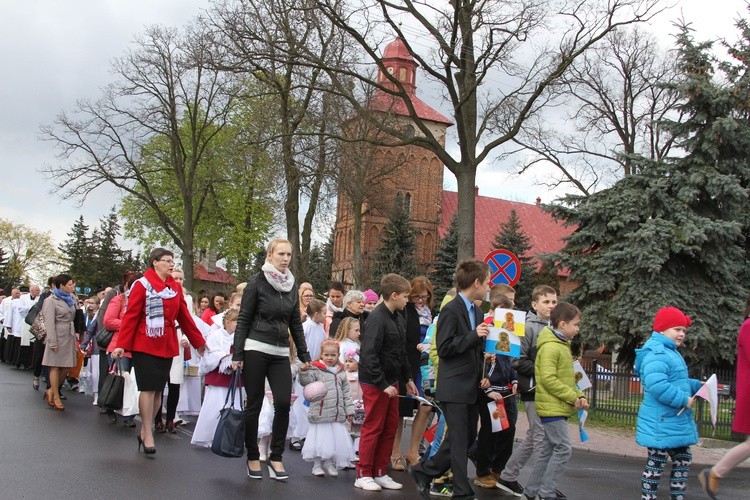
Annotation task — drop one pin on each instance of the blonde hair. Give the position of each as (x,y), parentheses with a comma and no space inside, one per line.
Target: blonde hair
(329,342)
(241,287)
(302,288)
(235,296)
(342,332)
(230,315)
(274,243)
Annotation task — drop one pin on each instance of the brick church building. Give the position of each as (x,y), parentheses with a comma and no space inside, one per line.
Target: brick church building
(417,178)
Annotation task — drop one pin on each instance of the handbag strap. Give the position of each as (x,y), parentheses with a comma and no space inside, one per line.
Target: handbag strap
(116,367)
(233,384)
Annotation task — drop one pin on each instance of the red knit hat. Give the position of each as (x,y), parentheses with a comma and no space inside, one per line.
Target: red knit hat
(669,317)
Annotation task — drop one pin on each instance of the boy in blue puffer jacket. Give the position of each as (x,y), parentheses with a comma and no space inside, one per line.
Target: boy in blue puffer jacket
(665,420)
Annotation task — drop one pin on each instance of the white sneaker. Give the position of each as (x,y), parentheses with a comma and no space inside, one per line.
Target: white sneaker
(367,484)
(386,482)
(317,471)
(330,468)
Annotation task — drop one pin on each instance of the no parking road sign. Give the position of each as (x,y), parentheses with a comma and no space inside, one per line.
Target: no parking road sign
(504,267)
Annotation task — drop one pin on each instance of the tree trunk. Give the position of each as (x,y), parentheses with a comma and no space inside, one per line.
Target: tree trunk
(317,183)
(466,210)
(466,125)
(291,201)
(242,269)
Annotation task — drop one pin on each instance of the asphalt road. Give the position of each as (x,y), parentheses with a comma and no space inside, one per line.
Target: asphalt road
(79,454)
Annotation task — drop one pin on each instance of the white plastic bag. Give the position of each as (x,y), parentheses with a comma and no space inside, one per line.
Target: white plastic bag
(129,396)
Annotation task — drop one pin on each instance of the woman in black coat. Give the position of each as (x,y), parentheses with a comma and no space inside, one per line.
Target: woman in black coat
(354,307)
(269,311)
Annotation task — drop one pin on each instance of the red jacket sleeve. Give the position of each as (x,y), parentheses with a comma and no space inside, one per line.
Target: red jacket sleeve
(112,318)
(134,311)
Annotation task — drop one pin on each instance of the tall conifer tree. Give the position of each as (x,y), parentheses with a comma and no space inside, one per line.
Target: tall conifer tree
(398,246)
(673,234)
(79,254)
(446,260)
(511,237)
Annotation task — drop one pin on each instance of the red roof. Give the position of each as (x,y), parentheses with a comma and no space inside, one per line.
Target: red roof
(397,50)
(386,103)
(544,233)
(397,54)
(220,276)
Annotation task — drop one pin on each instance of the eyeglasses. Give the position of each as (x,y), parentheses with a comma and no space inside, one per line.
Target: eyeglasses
(168,261)
(421,297)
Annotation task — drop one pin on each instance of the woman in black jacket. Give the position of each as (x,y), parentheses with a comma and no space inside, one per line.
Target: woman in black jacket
(269,311)
(354,307)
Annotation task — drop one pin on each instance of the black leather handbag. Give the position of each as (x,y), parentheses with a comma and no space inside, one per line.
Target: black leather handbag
(113,388)
(229,438)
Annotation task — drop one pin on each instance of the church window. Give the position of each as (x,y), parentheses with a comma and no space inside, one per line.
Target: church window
(407,202)
(402,74)
(409,131)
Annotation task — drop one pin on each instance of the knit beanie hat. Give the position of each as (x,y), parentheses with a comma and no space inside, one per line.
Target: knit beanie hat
(669,317)
(370,296)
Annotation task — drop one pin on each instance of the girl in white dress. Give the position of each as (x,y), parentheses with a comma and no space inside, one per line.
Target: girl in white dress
(347,336)
(328,444)
(215,365)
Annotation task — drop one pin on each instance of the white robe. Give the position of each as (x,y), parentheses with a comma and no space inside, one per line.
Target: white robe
(26,337)
(5,312)
(18,309)
(315,333)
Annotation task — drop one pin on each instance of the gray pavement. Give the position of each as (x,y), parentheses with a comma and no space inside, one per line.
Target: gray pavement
(80,454)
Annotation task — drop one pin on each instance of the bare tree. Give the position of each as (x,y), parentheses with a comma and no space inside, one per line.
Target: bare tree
(150,131)
(493,61)
(265,38)
(616,97)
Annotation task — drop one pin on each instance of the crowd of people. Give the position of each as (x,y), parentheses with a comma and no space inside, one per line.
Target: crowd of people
(337,378)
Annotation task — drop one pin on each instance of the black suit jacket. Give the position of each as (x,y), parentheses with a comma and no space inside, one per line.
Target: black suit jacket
(460,350)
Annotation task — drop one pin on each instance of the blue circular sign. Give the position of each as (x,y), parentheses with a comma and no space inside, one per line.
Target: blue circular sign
(505,268)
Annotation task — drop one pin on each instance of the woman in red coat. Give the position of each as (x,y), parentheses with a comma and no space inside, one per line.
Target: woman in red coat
(709,478)
(147,331)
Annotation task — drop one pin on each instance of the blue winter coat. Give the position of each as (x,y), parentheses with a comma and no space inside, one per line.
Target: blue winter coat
(667,388)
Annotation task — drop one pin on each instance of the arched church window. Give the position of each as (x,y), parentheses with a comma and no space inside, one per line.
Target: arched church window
(407,202)
(409,131)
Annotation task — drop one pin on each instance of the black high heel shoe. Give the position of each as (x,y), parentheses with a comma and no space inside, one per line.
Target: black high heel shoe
(148,450)
(277,475)
(253,474)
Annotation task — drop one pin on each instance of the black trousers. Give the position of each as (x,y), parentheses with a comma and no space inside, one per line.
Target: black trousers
(173,397)
(2,344)
(493,449)
(8,348)
(461,420)
(21,354)
(36,357)
(258,367)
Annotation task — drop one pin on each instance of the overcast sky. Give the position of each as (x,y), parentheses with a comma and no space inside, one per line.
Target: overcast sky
(57,51)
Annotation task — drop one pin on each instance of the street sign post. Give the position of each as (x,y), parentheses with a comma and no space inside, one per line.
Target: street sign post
(504,267)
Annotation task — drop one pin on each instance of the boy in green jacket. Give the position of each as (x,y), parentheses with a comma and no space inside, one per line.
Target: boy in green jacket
(557,398)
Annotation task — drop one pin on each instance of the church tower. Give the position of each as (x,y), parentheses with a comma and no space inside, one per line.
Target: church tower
(413,173)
